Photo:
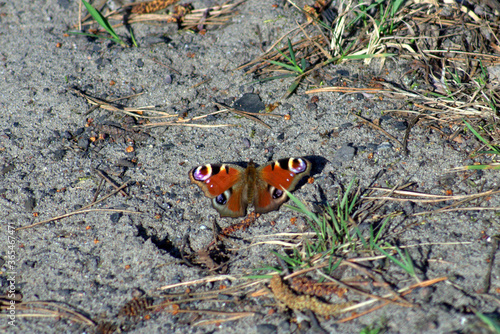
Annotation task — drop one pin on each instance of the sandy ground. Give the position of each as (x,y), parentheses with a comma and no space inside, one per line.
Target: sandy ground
(93,262)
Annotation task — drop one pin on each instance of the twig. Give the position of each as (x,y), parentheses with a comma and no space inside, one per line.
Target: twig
(387,134)
(83,210)
(111,182)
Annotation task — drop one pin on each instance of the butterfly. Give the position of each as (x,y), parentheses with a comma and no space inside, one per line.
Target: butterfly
(232,187)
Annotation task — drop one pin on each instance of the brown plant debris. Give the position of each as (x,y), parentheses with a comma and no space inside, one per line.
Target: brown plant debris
(151,6)
(310,287)
(136,307)
(214,257)
(243,225)
(185,15)
(180,11)
(300,303)
(106,328)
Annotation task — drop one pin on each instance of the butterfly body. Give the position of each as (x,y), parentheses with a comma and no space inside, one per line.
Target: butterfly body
(232,187)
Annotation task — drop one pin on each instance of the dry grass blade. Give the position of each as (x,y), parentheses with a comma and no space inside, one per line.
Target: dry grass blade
(432,198)
(395,296)
(233,290)
(403,292)
(346,90)
(461,199)
(152,125)
(186,122)
(134,112)
(449,209)
(76,212)
(84,210)
(50,309)
(233,316)
(199,281)
(387,134)
(270,54)
(250,115)
(306,48)
(109,181)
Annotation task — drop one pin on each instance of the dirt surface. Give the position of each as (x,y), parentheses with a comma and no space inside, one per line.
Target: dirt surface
(93,262)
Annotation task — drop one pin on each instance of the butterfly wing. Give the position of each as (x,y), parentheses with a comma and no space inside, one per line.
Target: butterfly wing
(273,178)
(225,185)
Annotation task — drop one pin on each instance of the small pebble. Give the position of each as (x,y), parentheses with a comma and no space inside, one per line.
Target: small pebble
(345,125)
(125,163)
(6,169)
(345,153)
(371,147)
(266,329)
(168,79)
(67,135)
(115,217)
(311,106)
(384,146)
(58,155)
(400,125)
(246,142)
(249,102)
(30,203)
(83,143)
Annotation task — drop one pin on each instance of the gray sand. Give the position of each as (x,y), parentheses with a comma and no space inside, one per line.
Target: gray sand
(94,261)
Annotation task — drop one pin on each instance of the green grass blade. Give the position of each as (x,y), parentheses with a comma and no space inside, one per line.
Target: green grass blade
(289,260)
(479,136)
(482,167)
(380,55)
(292,54)
(132,36)
(284,56)
(289,67)
(396,6)
(494,325)
(303,208)
(294,85)
(102,21)
(303,64)
(258,277)
(497,151)
(363,241)
(332,266)
(392,258)
(376,238)
(408,262)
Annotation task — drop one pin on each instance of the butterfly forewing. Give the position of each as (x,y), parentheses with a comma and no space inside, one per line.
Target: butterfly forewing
(216,179)
(273,178)
(285,173)
(224,184)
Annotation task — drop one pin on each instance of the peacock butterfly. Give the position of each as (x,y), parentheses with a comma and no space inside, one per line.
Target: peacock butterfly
(232,187)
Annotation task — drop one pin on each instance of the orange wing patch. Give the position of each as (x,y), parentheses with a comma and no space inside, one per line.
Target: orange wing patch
(222,181)
(277,176)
